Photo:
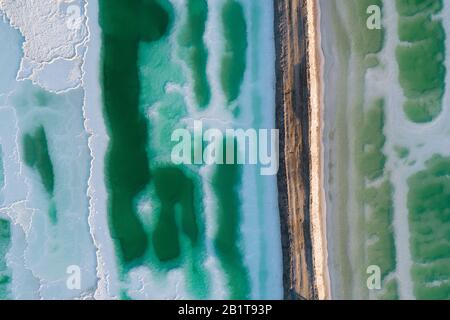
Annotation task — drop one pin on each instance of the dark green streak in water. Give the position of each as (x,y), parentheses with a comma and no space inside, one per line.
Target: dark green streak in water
(173,189)
(377,199)
(370,158)
(36,156)
(234,59)
(191,39)
(124,24)
(226,182)
(5,241)
(179,217)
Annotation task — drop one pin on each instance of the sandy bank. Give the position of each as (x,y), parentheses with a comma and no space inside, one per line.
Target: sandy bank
(299,112)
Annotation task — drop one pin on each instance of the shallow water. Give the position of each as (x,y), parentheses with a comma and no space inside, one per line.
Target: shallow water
(386,173)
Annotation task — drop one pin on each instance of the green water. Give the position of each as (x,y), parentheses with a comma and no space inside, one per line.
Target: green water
(177,228)
(124,25)
(226,182)
(419,28)
(175,192)
(36,156)
(141,114)
(377,199)
(234,59)
(412,7)
(371,164)
(379,224)
(364,204)
(178,232)
(42,98)
(421,62)
(194,49)
(429,224)
(365,41)
(402,152)
(5,241)
(372,160)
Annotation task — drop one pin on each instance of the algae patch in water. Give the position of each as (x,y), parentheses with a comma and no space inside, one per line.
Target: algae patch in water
(176,194)
(194,49)
(421,60)
(226,182)
(372,159)
(429,224)
(36,156)
(234,58)
(377,199)
(124,25)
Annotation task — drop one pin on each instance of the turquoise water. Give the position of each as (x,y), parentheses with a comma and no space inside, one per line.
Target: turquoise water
(5,238)
(8,67)
(44,204)
(5,275)
(185,218)
(193,49)
(234,57)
